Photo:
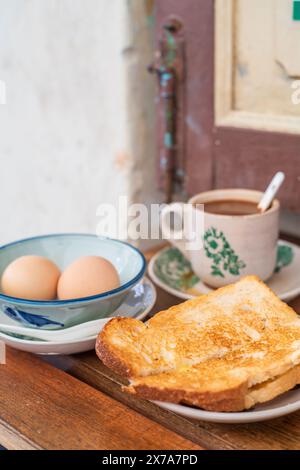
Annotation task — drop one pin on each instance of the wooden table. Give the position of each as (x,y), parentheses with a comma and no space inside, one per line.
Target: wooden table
(74,402)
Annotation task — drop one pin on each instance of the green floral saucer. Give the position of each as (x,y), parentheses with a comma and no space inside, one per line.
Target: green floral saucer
(171,271)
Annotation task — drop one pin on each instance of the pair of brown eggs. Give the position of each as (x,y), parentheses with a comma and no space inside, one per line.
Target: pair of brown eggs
(38,278)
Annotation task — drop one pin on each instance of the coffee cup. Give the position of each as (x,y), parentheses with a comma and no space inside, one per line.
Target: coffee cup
(235,240)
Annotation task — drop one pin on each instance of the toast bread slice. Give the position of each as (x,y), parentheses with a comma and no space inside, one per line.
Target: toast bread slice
(224,351)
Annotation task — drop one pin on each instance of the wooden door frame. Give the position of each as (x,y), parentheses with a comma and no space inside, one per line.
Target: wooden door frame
(219,154)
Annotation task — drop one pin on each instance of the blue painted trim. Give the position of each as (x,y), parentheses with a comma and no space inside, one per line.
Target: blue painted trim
(168,140)
(54,303)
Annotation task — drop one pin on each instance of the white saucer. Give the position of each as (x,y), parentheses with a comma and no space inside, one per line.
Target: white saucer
(173,273)
(280,406)
(138,303)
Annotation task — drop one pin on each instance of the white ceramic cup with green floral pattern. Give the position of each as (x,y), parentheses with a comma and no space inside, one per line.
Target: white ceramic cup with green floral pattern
(232,246)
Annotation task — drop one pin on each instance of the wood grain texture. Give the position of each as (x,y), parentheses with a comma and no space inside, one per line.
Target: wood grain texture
(249,159)
(43,407)
(11,439)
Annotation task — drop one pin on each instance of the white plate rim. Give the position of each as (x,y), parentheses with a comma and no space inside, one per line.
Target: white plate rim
(291,294)
(234,417)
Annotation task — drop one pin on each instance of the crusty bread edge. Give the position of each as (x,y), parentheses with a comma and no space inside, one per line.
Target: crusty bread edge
(107,355)
(231,400)
(227,400)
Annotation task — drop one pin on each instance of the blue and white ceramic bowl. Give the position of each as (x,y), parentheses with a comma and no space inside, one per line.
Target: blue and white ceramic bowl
(63,249)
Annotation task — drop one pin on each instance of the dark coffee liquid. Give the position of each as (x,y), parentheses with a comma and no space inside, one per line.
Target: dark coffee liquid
(231,207)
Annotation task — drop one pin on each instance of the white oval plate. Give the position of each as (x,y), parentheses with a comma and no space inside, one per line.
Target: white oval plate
(280,406)
(285,282)
(138,303)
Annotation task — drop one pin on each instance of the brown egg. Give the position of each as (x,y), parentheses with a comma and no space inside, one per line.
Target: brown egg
(31,277)
(87,276)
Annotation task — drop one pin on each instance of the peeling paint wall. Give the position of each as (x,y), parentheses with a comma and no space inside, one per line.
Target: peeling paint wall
(77,128)
(141,91)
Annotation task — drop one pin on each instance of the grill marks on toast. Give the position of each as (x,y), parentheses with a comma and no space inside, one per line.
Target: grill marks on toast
(210,351)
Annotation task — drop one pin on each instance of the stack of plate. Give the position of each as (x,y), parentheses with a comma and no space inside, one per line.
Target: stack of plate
(137,304)
(71,326)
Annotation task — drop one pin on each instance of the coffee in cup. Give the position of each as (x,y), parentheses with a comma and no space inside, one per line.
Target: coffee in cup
(237,239)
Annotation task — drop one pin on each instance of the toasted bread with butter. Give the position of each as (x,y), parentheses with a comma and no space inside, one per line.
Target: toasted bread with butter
(224,351)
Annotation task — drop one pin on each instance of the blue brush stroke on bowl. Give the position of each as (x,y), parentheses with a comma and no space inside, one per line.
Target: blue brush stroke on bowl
(35,320)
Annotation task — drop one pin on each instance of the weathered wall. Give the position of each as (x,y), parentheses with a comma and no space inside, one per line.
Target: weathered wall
(141,90)
(75,130)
